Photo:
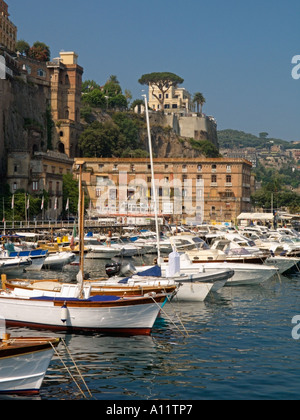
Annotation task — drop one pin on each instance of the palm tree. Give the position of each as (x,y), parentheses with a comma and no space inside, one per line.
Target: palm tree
(199,100)
(113,79)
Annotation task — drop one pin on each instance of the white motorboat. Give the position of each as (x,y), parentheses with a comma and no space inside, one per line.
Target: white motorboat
(282,262)
(221,250)
(37,257)
(58,259)
(101,252)
(125,250)
(144,247)
(13,266)
(189,290)
(244,274)
(97,247)
(193,286)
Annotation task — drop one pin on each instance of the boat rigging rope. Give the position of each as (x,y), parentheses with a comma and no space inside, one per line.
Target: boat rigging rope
(68,370)
(171,318)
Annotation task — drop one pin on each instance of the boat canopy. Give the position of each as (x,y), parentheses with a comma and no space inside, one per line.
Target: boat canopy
(256,216)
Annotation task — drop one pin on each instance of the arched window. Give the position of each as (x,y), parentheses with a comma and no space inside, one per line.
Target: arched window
(41,73)
(61,147)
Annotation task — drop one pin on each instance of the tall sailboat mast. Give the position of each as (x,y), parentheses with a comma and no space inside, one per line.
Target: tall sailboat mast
(80,275)
(153,181)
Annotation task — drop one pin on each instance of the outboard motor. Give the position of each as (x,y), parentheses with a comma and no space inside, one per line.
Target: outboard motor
(112,269)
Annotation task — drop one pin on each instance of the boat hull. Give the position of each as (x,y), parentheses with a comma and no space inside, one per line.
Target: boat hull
(22,369)
(244,274)
(102,254)
(282,263)
(134,316)
(192,276)
(58,260)
(13,266)
(193,291)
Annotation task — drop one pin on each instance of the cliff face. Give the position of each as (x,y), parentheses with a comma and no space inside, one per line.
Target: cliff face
(22,118)
(167,144)
(165,133)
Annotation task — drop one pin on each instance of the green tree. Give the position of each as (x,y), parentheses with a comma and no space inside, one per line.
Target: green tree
(263,135)
(94,98)
(128,125)
(22,47)
(99,139)
(118,101)
(207,148)
(71,192)
(113,94)
(86,113)
(163,82)
(89,85)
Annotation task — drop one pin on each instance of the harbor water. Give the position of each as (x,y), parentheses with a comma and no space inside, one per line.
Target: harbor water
(238,344)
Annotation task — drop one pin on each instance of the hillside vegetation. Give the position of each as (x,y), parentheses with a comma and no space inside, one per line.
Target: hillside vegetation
(231,139)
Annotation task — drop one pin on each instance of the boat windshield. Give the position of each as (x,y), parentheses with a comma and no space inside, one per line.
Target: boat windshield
(200,244)
(2,327)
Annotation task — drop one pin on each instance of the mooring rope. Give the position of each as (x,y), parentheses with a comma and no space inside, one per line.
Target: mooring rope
(68,370)
(171,318)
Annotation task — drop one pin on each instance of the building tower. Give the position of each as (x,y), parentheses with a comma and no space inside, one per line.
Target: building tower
(66,82)
(8,31)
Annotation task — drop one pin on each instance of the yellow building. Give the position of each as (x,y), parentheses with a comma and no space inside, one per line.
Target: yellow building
(176,100)
(200,189)
(8,31)
(46,173)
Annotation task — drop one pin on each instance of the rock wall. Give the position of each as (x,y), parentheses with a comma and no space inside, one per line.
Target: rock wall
(167,144)
(22,118)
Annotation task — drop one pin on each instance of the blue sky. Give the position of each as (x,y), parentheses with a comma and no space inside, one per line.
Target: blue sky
(238,53)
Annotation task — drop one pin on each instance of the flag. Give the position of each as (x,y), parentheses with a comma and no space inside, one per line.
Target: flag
(42,204)
(67,205)
(13,201)
(72,243)
(28,203)
(55,203)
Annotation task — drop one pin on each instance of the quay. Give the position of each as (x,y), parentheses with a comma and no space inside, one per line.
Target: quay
(9,227)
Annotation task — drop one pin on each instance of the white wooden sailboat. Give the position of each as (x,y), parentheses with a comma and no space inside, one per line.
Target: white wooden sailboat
(74,309)
(24,361)
(56,311)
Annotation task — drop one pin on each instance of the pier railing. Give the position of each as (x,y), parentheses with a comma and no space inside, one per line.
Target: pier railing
(9,227)
(48,224)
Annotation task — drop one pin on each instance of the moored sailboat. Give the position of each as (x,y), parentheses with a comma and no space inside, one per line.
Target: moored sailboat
(60,312)
(24,361)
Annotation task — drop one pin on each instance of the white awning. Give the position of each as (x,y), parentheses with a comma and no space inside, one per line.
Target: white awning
(256,216)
